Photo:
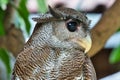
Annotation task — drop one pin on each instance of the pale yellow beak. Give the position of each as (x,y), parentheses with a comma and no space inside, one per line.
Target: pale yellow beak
(86,43)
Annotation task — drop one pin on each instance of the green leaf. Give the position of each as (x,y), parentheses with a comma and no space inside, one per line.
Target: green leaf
(115,55)
(118,30)
(42,6)
(24,14)
(6,60)
(3,4)
(2,31)
(3,1)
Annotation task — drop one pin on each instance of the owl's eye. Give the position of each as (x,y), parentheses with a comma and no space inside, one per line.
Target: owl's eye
(72,26)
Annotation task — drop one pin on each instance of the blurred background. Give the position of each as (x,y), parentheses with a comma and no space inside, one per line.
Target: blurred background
(16,26)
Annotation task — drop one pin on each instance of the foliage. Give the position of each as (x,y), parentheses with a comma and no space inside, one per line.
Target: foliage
(2,32)
(6,60)
(42,6)
(24,14)
(118,30)
(3,3)
(21,13)
(115,55)
(22,10)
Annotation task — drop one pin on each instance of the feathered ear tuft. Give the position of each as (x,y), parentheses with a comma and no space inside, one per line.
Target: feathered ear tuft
(42,18)
(52,15)
(54,12)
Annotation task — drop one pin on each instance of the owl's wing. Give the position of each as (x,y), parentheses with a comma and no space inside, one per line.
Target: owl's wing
(88,69)
(29,62)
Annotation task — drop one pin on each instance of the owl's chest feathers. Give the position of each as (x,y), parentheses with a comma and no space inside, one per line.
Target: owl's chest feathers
(63,63)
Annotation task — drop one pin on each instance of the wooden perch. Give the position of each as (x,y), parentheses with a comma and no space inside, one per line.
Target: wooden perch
(106,27)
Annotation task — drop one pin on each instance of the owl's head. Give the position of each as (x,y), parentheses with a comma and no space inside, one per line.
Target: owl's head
(68,25)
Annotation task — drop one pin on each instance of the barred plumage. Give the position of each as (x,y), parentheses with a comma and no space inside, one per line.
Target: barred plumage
(57,48)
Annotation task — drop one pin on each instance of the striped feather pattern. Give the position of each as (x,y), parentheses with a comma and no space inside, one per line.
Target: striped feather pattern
(88,70)
(51,52)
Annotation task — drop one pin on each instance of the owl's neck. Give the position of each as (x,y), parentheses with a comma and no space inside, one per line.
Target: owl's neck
(40,37)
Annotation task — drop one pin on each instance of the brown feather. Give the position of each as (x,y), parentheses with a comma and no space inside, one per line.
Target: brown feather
(52,52)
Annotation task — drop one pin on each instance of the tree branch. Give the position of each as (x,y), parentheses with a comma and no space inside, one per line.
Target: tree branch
(109,24)
(13,39)
(9,14)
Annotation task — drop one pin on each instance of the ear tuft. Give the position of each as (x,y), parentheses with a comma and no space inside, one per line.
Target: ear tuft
(54,12)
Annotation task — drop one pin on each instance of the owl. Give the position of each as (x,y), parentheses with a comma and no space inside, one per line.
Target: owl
(57,48)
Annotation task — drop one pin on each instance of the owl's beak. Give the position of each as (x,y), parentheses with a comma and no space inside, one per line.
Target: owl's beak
(86,43)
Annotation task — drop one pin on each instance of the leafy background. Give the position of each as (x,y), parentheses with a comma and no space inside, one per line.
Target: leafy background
(21,15)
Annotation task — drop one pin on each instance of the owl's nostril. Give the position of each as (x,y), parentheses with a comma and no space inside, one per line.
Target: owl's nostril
(59,5)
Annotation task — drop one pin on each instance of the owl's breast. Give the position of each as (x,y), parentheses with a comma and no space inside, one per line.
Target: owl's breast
(65,65)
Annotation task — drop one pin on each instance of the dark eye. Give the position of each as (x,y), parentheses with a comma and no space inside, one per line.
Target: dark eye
(72,26)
